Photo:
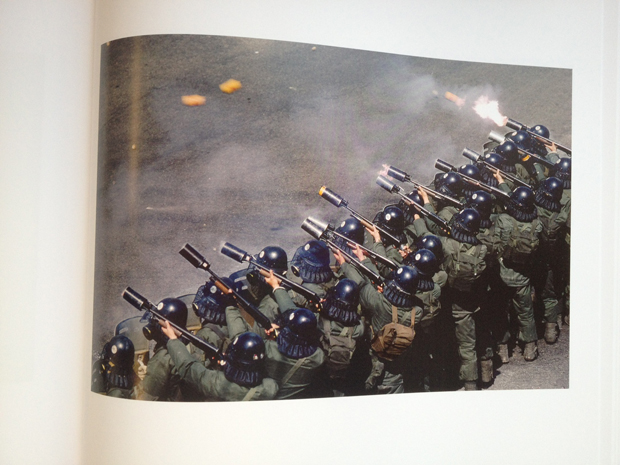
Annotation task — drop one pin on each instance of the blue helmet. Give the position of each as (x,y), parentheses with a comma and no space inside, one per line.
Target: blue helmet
(450,184)
(432,243)
(244,360)
(311,262)
(172,308)
(510,155)
(465,226)
(562,170)
(392,219)
(549,194)
(118,360)
(354,230)
(210,302)
(407,209)
(273,257)
(299,338)
(341,302)
(482,202)
(522,139)
(521,205)
(470,171)
(538,146)
(427,265)
(400,290)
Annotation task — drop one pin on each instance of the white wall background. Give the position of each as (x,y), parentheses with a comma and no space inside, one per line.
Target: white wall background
(47,201)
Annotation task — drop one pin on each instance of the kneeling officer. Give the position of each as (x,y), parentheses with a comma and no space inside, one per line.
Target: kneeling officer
(242,375)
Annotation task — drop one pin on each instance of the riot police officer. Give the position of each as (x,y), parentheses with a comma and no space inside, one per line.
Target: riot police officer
(242,377)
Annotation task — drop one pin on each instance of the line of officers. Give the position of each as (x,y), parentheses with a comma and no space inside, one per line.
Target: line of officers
(474,297)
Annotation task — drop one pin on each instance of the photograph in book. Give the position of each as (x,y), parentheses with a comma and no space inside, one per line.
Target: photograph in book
(281,220)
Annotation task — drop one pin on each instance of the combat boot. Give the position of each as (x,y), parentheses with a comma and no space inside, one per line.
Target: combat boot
(470,386)
(530,351)
(502,351)
(486,371)
(551,333)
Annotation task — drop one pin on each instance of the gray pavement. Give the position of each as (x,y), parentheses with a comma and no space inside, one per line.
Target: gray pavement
(246,167)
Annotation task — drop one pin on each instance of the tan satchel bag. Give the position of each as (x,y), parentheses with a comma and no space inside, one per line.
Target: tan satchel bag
(393,339)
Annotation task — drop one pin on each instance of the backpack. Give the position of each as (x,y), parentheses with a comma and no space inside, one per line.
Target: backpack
(552,229)
(464,268)
(339,350)
(522,243)
(393,339)
(492,242)
(431,307)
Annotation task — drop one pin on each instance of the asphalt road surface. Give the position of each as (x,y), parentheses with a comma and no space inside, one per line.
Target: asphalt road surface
(246,167)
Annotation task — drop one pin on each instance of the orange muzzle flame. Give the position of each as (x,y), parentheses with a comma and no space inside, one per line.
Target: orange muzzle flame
(489,109)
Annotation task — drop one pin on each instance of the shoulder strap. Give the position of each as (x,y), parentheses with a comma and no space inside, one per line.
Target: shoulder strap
(216,330)
(514,223)
(327,330)
(395,315)
(453,245)
(250,394)
(474,251)
(293,370)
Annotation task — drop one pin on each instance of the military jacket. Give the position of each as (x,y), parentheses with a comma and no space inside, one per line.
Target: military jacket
(319,289)
(278,366)
(212,384)
(449,245)
(503,228)
(410,234)
(554,222)
(565,201)
(162,381)
(431,303)
(335,328)
(389,252)
(446,214)
(488,238)
(216,335)
(376,305)
(524,175)
(119,393)
(237,324)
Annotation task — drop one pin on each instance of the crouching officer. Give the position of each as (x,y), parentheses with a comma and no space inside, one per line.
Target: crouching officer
(113,373)
(295,358)
(162,381)
(210,306)
(243,369)
(252,285)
